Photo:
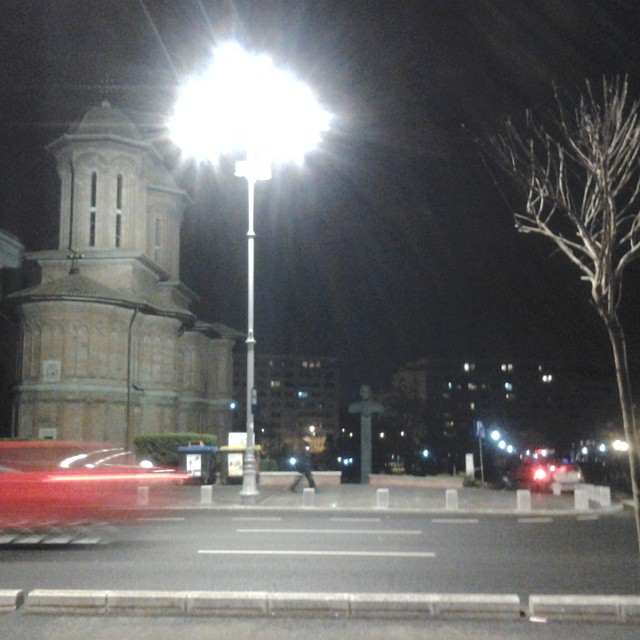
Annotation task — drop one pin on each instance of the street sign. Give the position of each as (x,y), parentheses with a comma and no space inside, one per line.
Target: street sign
(480,429)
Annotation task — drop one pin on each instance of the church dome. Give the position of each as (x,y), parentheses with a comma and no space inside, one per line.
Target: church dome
(106,120)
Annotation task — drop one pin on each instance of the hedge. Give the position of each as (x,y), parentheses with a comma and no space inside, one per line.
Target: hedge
(163,448)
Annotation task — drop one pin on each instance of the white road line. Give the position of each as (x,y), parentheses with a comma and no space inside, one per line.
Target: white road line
(455,520)
(177,519)
(534,520)
(257,519)
(357,532)
(368,554)
(355,519)
(586,518)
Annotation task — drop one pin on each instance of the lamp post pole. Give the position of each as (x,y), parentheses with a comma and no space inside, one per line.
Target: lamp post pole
(252,171)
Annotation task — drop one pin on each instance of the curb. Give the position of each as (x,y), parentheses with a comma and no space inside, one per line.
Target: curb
(398,510)
(576,608)
(295,605)
(10,599)
(553,608)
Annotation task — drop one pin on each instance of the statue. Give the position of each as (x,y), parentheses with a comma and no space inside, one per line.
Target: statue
(366,408)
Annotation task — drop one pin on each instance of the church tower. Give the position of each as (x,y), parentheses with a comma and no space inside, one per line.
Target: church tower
(109,346)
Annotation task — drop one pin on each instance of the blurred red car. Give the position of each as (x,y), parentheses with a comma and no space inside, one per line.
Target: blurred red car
(54,485)
(542,474)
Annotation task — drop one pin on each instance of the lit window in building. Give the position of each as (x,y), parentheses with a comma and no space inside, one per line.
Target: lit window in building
(472,387)
(472,406)
(547,378)
(305,364)
(507,367)
(275,383)
(303,394)
(508,386)
(469,366)
(510,396)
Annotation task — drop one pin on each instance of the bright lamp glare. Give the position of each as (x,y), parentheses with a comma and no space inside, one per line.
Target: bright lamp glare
(243,103)
(620,445)
(495,435)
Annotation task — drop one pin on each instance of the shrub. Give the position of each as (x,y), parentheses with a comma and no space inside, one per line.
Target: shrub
(267,464)
(162,449)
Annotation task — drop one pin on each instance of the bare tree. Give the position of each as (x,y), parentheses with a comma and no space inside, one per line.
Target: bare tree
(580,174)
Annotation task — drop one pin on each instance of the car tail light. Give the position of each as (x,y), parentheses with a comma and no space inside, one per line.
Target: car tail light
(539,474)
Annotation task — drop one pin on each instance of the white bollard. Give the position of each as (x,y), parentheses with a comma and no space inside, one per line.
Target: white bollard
(308,496)
(523,500)
(382,498)
(451,499)
(143,495)
(556,488)
(206,494)
(605,496)
(581,499)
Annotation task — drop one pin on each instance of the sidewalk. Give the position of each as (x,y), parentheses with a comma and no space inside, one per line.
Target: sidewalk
(355,497)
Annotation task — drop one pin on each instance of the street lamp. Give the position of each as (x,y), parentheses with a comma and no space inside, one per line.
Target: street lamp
(242,103)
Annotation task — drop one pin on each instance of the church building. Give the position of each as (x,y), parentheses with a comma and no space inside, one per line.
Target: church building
(108,346)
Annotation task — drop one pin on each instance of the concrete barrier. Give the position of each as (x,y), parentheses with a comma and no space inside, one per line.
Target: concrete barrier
(226,603)
(10,599)
(585,607)
(602,608)
(605,496)
(308,604)
(581,499)
(523,500)
(143,495)
(147,602)
(206,494)
(382,498)
(451,499)
(308,497)
(63,601)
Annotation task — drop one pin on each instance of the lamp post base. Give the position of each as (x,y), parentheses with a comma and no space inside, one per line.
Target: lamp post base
(249,493)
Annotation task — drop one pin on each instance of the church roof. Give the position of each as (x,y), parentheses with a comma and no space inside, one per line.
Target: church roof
(106,120)
(76,287)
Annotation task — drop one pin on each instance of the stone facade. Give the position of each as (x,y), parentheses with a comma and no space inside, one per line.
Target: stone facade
(109,348)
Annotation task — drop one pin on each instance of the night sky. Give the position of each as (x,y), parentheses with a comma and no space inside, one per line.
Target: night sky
(394,241)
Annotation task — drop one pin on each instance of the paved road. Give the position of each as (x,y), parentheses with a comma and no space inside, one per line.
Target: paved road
(281,550)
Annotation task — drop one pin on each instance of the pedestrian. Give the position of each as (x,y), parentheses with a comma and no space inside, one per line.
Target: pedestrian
(303,466)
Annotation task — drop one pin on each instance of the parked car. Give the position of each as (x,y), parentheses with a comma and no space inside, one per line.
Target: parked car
(54,485)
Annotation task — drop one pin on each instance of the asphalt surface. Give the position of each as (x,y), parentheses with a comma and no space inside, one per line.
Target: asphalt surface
(470,528)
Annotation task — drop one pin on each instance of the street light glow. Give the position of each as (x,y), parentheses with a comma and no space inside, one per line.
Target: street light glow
(242,102)
(495,435)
